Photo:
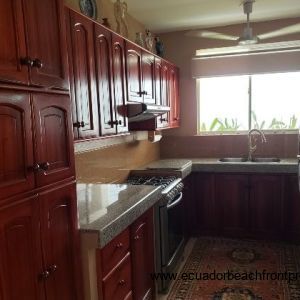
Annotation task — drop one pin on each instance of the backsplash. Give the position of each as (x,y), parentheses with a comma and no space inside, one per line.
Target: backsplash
(278,145)
(113,164)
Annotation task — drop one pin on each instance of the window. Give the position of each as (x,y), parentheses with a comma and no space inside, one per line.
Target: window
(239,103)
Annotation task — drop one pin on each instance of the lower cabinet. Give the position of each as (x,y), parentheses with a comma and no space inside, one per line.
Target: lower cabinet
(36,247)
(124,265)
(260,206)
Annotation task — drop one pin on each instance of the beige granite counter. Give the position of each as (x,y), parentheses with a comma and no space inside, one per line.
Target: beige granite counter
(108,209)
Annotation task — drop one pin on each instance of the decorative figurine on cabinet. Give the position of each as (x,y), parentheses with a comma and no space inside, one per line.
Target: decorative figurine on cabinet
(120,9)
(139,39)
(159,47)
(149,40)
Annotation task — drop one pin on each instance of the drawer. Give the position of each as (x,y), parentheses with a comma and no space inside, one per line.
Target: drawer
(117,284)
(114,252)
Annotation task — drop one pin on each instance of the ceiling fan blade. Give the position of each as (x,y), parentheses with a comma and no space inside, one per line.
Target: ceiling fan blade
(280,32)
(211,35)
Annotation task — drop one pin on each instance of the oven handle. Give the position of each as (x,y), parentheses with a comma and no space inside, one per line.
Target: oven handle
(175,202)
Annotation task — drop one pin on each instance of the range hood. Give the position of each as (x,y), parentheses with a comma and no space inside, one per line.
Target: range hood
(137,112)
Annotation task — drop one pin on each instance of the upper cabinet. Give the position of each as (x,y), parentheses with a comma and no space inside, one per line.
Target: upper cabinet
(83,80)
(35,50)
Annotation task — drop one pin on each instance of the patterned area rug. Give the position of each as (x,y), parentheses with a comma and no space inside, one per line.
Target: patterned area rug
(227,269)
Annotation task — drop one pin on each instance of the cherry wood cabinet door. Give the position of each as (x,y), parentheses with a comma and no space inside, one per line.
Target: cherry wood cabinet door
(134,72)
(265,206)
(158,81)
(174,96)
(119,75)
(142,249)
(103,54)
(47,43)
(13,49)
(16,150)
(164,120)
(148,71)
(291,198)
(54,150)
(20,252)
(82,69)
(60,235)
(232,203)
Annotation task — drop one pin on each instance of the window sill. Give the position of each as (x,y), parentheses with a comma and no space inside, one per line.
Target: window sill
(232,133)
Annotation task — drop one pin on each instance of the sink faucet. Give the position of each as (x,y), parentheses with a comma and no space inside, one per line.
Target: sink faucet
(252,144)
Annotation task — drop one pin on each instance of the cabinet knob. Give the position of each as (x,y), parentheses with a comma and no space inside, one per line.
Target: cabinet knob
(52,269)
(176,119)
(44,275)
(163,119)
(37,63)
(26,61)
(119,245)
(44,166)
(82,124)
(119,122)
(77,124)
(144,93)
(137,237)
(116,122)
(122,282)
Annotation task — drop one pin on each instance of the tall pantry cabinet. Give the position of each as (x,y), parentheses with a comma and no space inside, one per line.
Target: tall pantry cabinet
(38,217)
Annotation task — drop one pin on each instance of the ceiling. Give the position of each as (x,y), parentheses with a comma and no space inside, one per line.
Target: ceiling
(173,15)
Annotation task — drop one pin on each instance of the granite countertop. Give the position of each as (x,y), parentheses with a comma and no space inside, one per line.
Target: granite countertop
(108,209)
(287,166)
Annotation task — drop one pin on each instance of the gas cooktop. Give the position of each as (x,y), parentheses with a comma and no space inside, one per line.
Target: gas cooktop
(162,181)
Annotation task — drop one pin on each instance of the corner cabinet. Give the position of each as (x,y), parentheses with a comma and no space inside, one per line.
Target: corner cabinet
(124,265)
(35,50)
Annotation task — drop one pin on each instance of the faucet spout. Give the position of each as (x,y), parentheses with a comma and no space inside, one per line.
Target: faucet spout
(252,144)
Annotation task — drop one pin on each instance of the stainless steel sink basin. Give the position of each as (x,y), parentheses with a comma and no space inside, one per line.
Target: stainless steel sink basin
(266,159)
(233,159)
(255,159)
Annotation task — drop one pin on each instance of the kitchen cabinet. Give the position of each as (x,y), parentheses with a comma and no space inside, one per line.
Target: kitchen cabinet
(174,97)
(291,204)
(265,209)
(124,265)
(47,220)
(237,205)
(232,200)
(37,146)
(53,139)
(148,72)
(30,31)
(82,74)
(142,249)
(16,154)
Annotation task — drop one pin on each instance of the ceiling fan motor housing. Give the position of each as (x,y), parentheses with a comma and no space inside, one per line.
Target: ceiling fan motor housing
(248,4)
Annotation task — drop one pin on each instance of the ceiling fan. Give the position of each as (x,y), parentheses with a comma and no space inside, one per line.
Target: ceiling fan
(247,37)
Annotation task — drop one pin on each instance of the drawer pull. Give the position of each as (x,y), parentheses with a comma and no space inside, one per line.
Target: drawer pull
(119,245)
(122,282)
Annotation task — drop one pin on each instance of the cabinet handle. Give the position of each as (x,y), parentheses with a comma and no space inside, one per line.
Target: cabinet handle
(82,124)
(144,93)
(163,119)
(52,269)
(176,119)
(137,237)
(26,61)
(77,124)
(116,122)
(44,275)
(122,282)
(37,63)
(44,166)
(119,245)
(119,122)
(34,168)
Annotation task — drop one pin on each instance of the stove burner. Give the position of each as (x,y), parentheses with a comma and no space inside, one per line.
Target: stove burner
(163,181)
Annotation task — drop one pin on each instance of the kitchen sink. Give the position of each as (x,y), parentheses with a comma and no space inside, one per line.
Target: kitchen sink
(255,159)
(266,159)
(233,159)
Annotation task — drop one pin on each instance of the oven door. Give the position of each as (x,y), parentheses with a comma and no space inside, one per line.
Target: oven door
(172,238)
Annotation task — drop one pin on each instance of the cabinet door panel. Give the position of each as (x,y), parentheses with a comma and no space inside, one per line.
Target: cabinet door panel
(232,203)
(148,70)
(54,141)
(120,83)
(16,151)
(163,121)
(20,252)
(84,92)
(47,42)
(12,31)
(134,72)
(174,97)
(265,206)
(60,233)
(142,255)
(158,81)
(103,54)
